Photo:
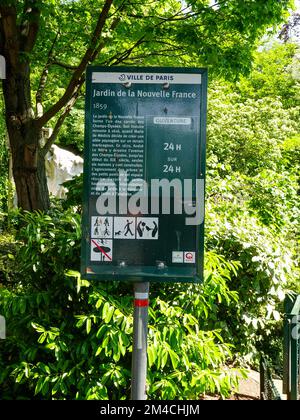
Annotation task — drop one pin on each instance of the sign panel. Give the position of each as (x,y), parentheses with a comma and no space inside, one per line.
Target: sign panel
(144,174)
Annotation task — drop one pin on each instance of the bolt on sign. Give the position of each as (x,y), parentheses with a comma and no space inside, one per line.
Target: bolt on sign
(144,172)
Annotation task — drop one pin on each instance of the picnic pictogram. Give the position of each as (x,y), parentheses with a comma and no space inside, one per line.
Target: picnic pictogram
(101,250)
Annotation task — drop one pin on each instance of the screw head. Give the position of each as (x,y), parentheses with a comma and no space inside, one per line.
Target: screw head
(161,265)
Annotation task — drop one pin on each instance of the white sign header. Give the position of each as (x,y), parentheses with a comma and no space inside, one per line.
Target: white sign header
(174,78)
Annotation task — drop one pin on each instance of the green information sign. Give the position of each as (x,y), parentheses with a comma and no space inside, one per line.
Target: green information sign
(144,173)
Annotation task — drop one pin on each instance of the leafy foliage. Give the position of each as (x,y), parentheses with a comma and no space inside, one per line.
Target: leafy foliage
(74,192)
(247,134)
(262,278)
(222,36)
(72,133)
(253,196)
(275,74)
(69,339)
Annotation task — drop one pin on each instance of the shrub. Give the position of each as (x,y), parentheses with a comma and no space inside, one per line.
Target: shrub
(71,339)
(245,225)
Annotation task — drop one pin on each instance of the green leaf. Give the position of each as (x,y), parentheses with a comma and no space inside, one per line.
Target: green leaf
(88,325)
(151,355)
(42,338)
(105,310)
(101,331)
(174,358)
(109,314)
(164,358)
(39,385)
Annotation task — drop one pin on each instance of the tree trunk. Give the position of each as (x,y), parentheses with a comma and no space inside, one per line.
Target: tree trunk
(28,160)
(28,169)
(31,187)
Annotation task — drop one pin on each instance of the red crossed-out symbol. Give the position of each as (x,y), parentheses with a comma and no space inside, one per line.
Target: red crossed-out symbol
(101,250)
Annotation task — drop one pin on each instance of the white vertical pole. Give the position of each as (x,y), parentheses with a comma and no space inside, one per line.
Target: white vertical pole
(140,330)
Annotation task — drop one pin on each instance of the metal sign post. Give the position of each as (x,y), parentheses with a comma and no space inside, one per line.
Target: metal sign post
(144,176)
(139,351)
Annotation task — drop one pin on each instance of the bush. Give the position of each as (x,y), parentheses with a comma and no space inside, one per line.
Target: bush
(71,339)
(244,224)
(247,135)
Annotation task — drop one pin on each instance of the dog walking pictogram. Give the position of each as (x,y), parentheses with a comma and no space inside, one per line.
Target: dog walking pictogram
(124,228)
(127,228)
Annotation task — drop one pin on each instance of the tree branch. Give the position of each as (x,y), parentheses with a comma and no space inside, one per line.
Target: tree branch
(43,79)
(75,79)
(61,119)
(164,53)
(102,43)
(119,58)
(70,104)
(30,25)
(181,14)
(9,32)
(63,65)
